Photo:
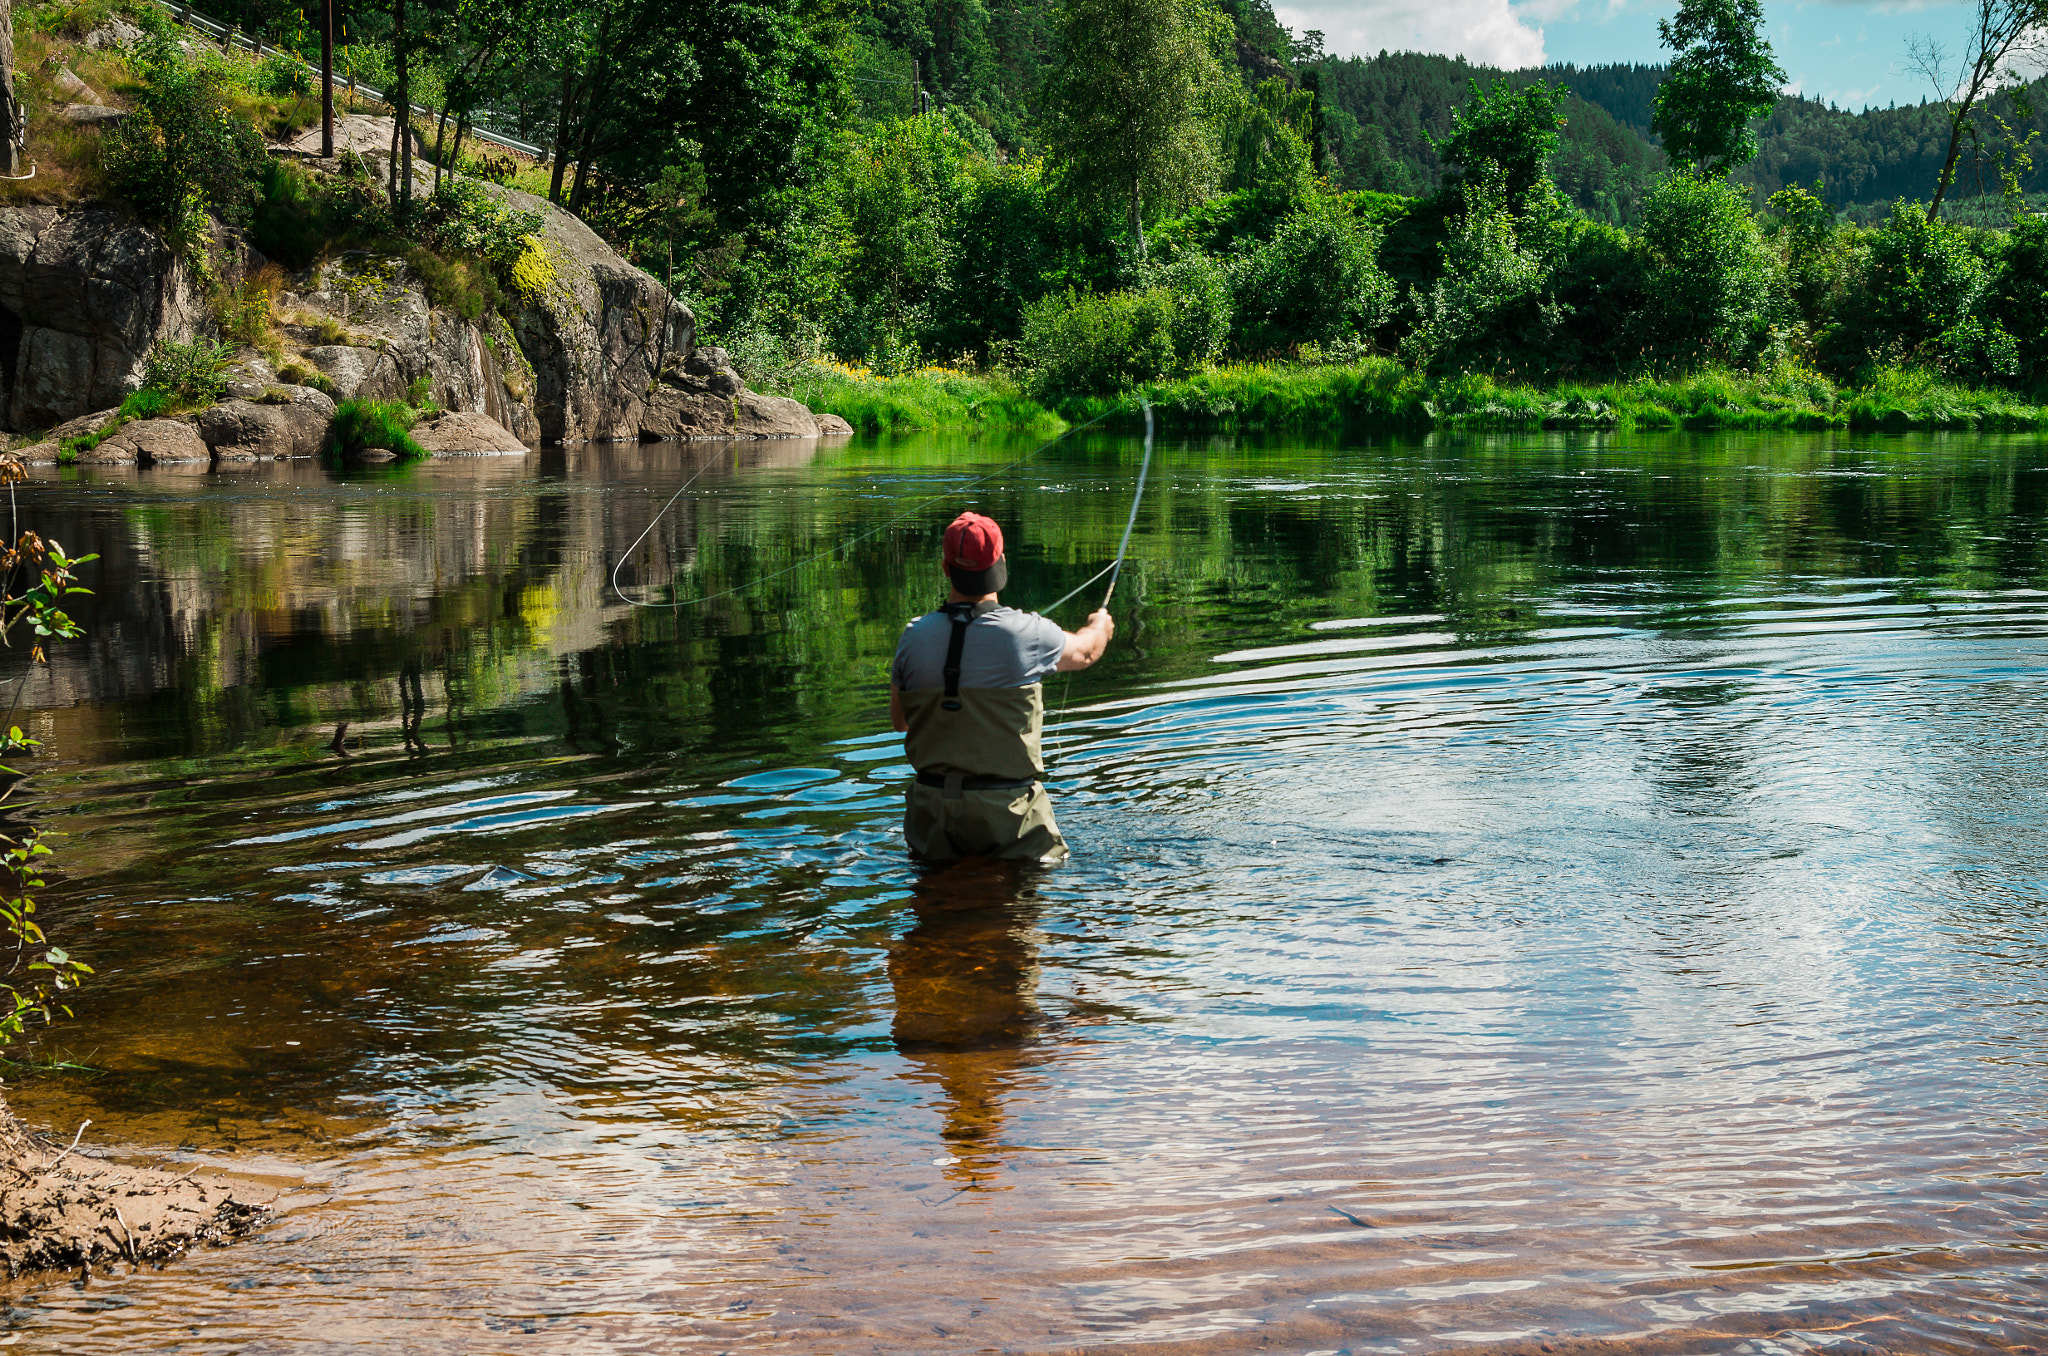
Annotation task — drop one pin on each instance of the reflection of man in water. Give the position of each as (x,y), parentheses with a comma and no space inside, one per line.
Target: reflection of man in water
(968,691)
(966,981)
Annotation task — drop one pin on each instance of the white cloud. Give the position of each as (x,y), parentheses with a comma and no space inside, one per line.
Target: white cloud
(1490,32)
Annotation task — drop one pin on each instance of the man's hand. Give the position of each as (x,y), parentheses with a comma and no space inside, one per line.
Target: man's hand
(1086,645)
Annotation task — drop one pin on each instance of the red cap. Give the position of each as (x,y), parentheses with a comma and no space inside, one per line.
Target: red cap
(973,542)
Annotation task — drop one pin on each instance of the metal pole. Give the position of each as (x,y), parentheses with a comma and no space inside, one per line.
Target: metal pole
(327,79)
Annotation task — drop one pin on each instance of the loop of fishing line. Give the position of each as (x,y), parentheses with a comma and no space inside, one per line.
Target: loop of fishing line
(861,537)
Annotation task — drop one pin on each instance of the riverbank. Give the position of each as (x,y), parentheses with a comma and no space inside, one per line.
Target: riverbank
(1380,394)
(62,1211)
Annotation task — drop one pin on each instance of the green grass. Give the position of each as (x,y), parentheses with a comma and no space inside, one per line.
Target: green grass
(374,423)
(930,398)
(1381,394)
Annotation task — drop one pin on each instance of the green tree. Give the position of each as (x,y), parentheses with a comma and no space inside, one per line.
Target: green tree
(1919,279)
(2005,36)
(1711,279)
(1723,77)
(1131,103)
(1504,137)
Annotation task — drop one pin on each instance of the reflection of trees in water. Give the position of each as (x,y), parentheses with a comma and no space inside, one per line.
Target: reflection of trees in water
(966,984)
(293,601)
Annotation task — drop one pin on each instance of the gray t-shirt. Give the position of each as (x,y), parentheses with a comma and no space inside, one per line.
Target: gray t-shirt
(1005,648)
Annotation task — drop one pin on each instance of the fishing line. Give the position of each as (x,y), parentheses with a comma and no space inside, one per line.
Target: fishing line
(1114,571)
(871,532)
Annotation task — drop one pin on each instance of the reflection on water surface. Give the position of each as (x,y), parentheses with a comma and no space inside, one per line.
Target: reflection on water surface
(1528,891)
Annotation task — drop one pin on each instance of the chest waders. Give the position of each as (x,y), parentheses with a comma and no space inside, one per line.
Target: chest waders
(973,739)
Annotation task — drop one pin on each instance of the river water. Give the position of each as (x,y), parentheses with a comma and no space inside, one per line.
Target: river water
(1548,893)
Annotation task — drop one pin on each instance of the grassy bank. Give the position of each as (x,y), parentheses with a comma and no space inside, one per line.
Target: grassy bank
(1380,394)
(929,398)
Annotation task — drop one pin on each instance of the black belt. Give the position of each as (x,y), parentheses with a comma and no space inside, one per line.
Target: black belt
(977,783)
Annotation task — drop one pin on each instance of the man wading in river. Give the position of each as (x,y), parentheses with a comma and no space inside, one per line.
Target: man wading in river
(967,691)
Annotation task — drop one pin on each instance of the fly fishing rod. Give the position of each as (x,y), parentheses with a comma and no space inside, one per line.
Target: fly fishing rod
(873,531)
(1115,568)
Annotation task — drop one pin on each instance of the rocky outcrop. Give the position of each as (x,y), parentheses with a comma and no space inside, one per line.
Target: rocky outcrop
(83,295)
(705,399)
(589,348)
(293,423)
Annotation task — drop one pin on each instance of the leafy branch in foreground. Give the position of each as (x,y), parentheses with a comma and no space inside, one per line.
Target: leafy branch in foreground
(35,575)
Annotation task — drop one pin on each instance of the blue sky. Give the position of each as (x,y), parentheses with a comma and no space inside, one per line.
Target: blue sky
(1849,52)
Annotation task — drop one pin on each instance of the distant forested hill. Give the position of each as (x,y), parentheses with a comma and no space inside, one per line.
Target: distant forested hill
(1381,111)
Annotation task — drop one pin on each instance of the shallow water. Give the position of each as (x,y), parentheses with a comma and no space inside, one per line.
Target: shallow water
(1530,894)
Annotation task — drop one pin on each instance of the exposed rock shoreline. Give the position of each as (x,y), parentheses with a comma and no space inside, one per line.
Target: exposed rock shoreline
(60,1211)
(600,352)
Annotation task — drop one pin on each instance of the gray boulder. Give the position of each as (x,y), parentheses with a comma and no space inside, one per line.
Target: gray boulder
(114,33)
(247,430)
(765,416)
(676,415)
(832,426)
(39,454)
(71,89)
(465,434)
(148,441)
(343,365)
(93,115)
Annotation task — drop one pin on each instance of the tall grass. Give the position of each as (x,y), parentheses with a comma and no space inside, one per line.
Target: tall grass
(929,398)
(374,423)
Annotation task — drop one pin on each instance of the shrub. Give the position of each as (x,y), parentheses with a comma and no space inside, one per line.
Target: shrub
(1974,351)
(1919,280)
(1081,342)
(1818,255)
(243,311)
(464,217)
(1711,281)
(1202,312)
(359,424)
(195,373)
(1504,137)
(280,74)
(1488,279)
(1598,287)
(2017,299)
(1316,280)
(300,216)
(181,153)
(464,286)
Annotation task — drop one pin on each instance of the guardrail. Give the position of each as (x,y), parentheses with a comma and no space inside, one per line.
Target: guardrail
(191,18)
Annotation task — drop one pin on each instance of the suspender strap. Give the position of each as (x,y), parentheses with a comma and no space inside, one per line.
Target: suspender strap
(961,615)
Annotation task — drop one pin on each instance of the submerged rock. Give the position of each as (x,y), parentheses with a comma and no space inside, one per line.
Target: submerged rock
(459,433)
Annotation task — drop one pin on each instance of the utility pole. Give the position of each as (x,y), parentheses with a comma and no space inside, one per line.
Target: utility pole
(917,90)
(327,79)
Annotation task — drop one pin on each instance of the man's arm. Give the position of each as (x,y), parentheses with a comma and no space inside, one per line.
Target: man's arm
(1086,645)
(897,720)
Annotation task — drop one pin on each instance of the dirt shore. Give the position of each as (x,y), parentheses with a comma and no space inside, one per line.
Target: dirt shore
(63,1211)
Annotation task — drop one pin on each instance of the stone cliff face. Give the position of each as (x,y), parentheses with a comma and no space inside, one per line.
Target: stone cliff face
(599,352)
(83,295)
